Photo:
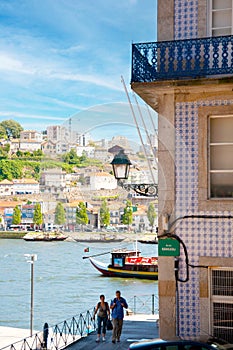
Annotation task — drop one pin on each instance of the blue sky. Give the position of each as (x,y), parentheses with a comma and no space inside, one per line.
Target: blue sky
(59,58)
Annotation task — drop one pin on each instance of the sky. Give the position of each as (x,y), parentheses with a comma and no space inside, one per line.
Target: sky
(61,59)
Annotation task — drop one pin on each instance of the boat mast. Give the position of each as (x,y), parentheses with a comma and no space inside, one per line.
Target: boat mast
(136,247)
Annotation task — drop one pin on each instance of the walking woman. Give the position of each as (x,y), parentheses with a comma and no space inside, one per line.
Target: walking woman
(103,313)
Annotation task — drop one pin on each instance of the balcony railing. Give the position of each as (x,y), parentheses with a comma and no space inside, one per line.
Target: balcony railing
(182,59)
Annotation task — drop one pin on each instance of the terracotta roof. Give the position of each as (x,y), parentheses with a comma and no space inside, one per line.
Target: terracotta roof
(101,173)
(6,182)
(9,204)
(29,141)
(25,181)
(25,131)
(73,204)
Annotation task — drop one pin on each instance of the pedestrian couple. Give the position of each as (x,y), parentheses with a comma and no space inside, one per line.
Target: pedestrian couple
(103,314)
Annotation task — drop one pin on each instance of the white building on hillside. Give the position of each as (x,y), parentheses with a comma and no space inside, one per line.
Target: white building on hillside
(18,186)
(30,140)
(6,188)
(31,135)
(102,181)
(25,186)
(61,133)
(89,151)
(54,181)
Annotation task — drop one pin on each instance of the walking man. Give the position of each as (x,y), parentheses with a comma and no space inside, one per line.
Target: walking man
(117,306)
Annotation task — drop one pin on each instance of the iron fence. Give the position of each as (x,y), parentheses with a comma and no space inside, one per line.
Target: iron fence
(59,336)
(180,59)
(71,330)
(144,304)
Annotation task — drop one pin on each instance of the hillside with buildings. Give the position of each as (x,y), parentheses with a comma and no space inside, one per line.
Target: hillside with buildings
(62,166)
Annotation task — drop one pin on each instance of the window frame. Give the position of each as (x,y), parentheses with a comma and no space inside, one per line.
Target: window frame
(217,298)
(219,144)
(210,10)
(204,201)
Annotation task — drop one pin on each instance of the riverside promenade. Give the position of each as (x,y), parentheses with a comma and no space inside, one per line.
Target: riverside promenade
(135,328)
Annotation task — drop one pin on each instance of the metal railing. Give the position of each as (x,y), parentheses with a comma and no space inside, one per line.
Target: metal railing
(180,59)
(71,330)
(59,336)
(144,304)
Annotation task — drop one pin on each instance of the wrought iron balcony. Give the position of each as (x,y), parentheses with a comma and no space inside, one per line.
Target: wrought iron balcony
(182,59)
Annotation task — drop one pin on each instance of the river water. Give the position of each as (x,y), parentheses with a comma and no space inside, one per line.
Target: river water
(65,284)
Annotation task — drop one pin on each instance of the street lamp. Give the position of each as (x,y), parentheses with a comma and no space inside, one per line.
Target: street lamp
(121,165)
(30,259)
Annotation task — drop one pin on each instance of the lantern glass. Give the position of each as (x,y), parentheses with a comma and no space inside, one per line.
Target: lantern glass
(121,171)
(121,165)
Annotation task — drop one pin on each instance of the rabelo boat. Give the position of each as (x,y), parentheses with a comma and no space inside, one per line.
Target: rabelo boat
(128,263)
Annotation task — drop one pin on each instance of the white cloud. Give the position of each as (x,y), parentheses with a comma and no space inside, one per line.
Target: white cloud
(8,63)
(62,56)
(51,71)
(68,50)
(10,114)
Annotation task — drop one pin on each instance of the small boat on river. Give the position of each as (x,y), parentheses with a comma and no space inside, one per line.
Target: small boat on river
(101,237)
(44,237)
(128,263)
(145,241)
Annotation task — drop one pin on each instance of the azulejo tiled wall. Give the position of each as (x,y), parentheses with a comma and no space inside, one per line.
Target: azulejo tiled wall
(186,19)
(202,237)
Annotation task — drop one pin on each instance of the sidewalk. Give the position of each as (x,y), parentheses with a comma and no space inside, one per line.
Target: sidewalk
(136,327)
(10,335)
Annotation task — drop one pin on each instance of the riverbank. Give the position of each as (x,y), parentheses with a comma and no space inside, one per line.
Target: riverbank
(12,234)
(108,237)
(89,236)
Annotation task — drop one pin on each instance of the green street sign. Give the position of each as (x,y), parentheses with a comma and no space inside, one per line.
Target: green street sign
(169,247)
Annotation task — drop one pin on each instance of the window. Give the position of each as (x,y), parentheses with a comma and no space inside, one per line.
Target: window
(222,303)
(220,17)
(221,156)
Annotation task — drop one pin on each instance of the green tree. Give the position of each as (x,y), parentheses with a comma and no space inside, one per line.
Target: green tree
(12,128)
(104,214)
(83,157)
(60,214)
(19,153)
(38,153)
(3,134)
(4,150)
(151,215)
(71,157)
(37,216)
(11,169)
(127,217)
(16,218)
(81,214)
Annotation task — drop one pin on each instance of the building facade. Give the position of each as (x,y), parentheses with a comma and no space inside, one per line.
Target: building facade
(30,140)
(102,180)
(54,181)
(25,186)
(19,186)
(187,78)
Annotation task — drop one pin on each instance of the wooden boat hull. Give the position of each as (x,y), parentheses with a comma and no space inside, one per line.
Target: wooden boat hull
(108,271)
(44,239)
(147,242)
(111,240)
